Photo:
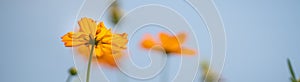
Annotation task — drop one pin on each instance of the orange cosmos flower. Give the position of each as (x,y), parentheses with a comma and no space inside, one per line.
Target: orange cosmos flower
(107,45)
(170,44)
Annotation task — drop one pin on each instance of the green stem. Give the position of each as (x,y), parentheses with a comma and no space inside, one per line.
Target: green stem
(165,72)
(89,64)
(293,78)
(69,78)
(120,76)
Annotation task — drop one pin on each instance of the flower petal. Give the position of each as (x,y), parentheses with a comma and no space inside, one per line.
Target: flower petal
(164,38)
(83,50)
(148,42)
(110,59)
(185,51)
(181,37)
(98,51)
(87,25)
(119,40)
(73,44)
(169,43)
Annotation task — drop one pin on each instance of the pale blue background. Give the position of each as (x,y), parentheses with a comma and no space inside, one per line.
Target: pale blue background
(261,34)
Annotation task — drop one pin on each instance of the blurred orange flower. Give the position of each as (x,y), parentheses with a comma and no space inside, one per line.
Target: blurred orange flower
(169,44)
(107,45)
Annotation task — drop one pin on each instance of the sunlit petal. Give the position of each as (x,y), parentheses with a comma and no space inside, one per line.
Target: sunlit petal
(87,25)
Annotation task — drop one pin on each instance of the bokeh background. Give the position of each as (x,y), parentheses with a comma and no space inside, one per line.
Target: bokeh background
(261,35)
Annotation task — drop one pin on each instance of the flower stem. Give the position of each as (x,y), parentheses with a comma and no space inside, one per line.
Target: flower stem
(69,78)
(120,76)
(293,78)
(89,64)
(165,76)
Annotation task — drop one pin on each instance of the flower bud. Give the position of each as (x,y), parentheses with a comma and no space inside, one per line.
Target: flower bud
(73,71)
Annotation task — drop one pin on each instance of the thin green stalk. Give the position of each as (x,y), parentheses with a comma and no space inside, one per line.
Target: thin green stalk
(293,78)
(121,77)
(165,76)
(89,64)
(69,78)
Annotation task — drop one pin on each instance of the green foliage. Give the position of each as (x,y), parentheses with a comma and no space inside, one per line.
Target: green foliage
(293,78)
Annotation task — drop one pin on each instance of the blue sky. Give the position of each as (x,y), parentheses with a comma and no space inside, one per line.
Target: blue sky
(261,34)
